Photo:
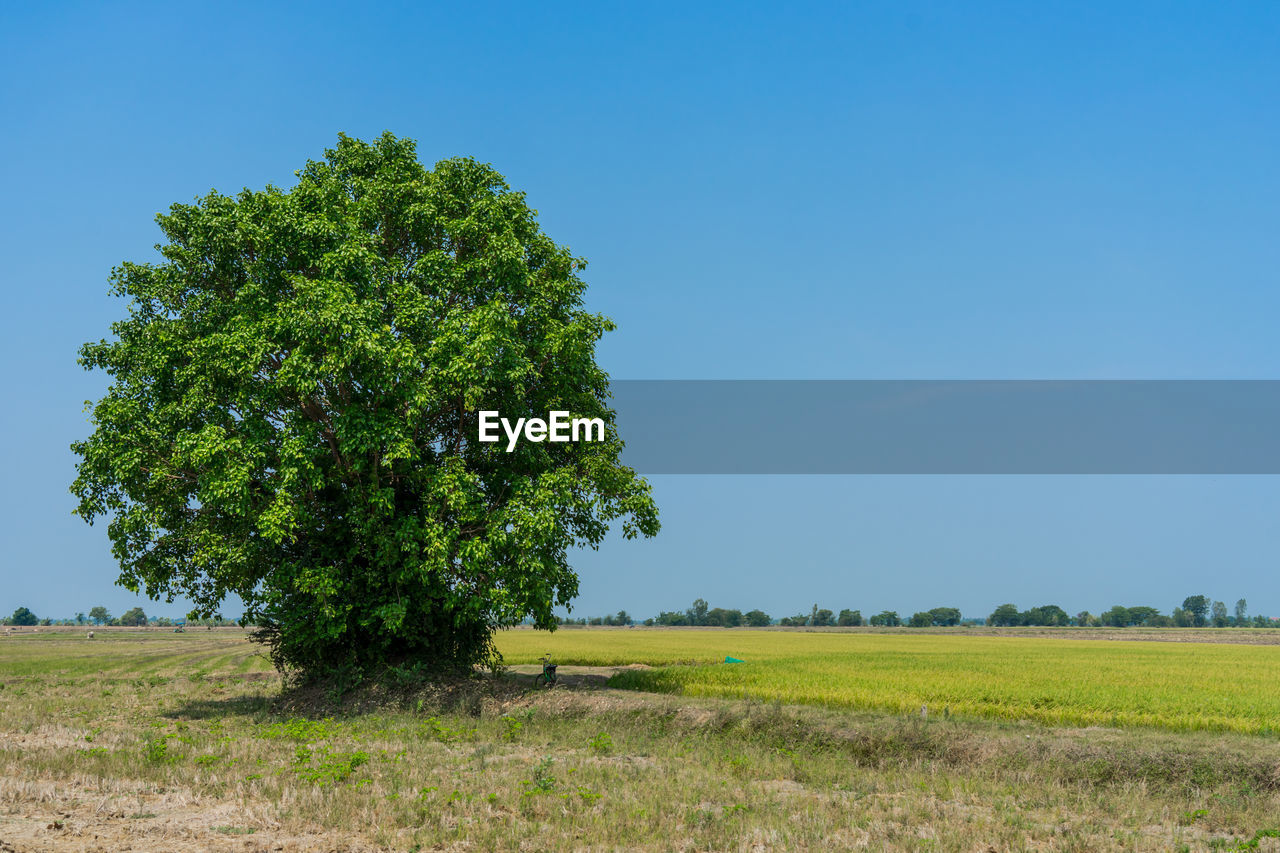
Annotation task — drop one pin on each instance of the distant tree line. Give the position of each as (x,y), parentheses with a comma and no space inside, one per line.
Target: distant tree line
(622,618)
(700,613)
(1197,611)
(134,617)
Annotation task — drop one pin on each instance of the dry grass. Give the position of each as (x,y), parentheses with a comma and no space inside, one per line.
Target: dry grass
(185,742)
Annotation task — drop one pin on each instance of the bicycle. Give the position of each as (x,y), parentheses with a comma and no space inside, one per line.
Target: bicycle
(546,678)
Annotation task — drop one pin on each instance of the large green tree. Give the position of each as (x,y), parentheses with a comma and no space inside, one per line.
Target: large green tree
(292,416)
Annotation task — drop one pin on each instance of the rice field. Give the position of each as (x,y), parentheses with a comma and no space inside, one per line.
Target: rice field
(124,654)
(153,742)
(1177,686)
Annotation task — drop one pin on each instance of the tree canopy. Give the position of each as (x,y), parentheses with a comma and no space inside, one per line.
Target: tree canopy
(23,616)
(133,617)
(292,416)
(1197,606)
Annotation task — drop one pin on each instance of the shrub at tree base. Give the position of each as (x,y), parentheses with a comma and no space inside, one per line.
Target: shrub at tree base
(293,414)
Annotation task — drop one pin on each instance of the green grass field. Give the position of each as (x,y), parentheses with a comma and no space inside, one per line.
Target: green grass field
(158,742)
(1168,685)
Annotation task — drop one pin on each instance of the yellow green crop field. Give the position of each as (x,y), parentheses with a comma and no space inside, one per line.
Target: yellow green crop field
(1169,685)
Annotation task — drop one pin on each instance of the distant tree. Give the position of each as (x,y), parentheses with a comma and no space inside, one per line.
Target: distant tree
(920,619)
(757,618)
(1242,610)
(99,615)
(849,618)
(944,616)
(80,618)
(596,620)
(886,619)
(1005,615)
(133,617)
(1198,607)
(1116,617)
(1046,614)
(1146,616)
(162,622)
(648,623)
(23,616)
(1085,619)
(1219,614)
(623,618)
(822,618)
(672,619)
(797,621)
(1181,618)
(697,613)
(722,618)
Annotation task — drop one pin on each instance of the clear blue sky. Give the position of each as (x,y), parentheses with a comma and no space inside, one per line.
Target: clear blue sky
(890,190)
